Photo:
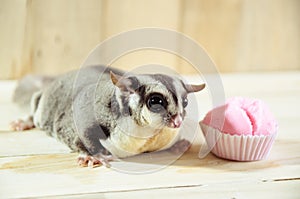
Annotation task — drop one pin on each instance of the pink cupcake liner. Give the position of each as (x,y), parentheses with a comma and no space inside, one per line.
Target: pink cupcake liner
(238,147)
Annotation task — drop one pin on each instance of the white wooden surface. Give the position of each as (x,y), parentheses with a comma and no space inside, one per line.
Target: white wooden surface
(34,165)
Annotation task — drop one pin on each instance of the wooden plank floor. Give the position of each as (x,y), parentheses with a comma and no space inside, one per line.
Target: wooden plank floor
(34,165)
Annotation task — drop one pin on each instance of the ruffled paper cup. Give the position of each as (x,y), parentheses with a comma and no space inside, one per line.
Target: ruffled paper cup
(238,147)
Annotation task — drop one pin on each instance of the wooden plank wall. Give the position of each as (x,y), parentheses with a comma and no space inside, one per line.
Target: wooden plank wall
(54,36)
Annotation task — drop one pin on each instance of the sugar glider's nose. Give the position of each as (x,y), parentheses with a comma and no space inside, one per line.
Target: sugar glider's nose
(176,121)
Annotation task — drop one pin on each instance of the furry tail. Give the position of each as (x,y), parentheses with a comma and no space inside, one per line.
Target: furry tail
(27,86)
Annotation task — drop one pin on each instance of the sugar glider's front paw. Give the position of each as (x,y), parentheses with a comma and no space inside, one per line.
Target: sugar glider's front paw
(180,147)
(95,160)
(22,125)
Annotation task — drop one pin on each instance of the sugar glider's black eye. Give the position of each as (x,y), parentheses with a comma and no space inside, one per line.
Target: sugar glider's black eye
(185,102)
(157,103)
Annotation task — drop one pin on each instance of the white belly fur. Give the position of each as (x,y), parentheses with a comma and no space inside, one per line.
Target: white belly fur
(123,145)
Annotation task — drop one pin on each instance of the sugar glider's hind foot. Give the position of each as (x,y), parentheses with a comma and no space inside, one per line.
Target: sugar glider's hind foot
(180,147)
(95,160)
(22,125)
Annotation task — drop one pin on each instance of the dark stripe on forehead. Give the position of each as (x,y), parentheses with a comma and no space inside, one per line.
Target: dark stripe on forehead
(169,83)
(135,84)
(142,92)
(138,87)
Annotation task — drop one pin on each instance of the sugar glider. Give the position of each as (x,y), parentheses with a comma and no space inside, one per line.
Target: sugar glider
(102,112)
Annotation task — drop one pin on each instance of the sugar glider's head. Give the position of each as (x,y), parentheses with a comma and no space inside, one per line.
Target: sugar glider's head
(153,100)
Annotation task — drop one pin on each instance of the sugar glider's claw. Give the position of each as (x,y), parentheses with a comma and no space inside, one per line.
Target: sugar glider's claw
(180,147)
(105,159)
(88,161)
(94,161)
(22,125)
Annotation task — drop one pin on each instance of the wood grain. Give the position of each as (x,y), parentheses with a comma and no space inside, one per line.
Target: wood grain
(52,37)
(12,35)
(63,33)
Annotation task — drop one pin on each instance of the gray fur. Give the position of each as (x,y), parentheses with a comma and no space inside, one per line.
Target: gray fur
(27,86)
(86,111)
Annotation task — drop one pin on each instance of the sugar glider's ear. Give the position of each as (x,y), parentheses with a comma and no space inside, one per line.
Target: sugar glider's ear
(190,88)
(125,84)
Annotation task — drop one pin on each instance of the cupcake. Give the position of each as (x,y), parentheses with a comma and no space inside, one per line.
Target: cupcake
(242,129)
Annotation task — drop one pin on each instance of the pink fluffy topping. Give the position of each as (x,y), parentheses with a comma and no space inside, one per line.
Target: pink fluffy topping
(242,116)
